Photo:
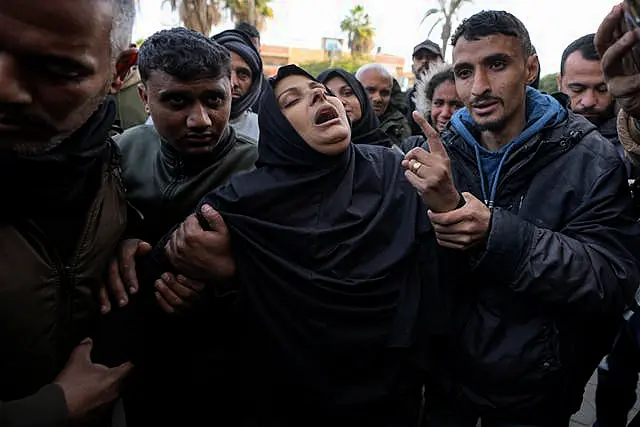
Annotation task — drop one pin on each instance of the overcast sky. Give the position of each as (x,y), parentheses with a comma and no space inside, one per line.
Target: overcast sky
(552,24)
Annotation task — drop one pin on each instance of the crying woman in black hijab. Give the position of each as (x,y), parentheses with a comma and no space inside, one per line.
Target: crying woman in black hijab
(334,258)
(365,127)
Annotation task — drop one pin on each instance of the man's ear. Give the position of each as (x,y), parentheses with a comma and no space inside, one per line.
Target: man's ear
(142,93)
(533,66)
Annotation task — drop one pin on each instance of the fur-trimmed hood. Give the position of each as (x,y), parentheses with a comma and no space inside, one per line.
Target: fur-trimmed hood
(423,105)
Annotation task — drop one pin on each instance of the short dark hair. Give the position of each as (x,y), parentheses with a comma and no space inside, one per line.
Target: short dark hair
(439,78)
(585,46)
(490,22)
(183,54)
(248,29)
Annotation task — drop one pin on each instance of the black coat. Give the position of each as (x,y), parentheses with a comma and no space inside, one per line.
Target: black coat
(535,303)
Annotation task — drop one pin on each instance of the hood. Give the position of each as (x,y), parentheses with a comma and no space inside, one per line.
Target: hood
(541,110)
(240,44)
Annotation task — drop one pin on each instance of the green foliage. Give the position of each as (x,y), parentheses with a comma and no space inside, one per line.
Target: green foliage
(549,83)
(360,31)
(241,11)
(202,15)
(349,63)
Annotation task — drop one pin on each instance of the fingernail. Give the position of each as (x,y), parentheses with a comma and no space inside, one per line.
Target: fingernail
(165,277)
(85,341)
(122,302)
(206,208)
(133,289)
(104,309)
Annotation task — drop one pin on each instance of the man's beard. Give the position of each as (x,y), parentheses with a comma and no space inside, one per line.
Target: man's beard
(37,148)
(494,126)
(28,149)
(600,117)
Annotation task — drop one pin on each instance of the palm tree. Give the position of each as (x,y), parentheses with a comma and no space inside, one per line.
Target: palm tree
(447,11)
(254,12)
(198,15)
(357,25)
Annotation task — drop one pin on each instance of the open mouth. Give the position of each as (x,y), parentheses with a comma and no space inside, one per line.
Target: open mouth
(325,114)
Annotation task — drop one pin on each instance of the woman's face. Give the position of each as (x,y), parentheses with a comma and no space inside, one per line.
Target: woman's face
(318,117)
(445,102)
(346,95)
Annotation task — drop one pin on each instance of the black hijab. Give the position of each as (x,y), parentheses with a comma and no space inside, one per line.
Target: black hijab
(238,42)
(366,129)
(326,250)
(333,254)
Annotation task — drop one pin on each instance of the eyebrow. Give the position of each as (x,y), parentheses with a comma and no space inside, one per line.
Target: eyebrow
(496,57)
(486,60)
(244,69)
(62,61)
(312,84)
(286,91)
(172,92)
(584,85)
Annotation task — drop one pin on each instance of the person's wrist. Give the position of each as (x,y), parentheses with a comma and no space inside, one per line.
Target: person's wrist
(455,200)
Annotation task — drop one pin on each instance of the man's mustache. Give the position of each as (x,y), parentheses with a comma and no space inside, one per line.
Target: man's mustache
(14,116)
(593,111)
(483,99)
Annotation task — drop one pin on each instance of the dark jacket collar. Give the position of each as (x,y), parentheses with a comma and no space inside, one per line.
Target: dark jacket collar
(179,164)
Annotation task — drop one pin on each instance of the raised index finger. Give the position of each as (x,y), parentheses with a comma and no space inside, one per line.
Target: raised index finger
(433,137)
(424,125)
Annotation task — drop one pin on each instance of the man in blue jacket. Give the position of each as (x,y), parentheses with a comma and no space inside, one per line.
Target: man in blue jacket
(542,236)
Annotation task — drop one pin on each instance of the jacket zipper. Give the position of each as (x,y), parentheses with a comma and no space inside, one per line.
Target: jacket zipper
(563,144)
(171,189)
(66,278)
(64,284)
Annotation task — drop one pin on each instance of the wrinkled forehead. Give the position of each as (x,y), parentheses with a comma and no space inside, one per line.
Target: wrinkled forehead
(374,78)
(576,67)
(56,27)
(160,81)
(238,60)
(295,81)
(336,80)
(445,90)
(477,51)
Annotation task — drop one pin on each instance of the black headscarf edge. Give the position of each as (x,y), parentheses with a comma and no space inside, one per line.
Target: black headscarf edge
(365,130)
(240,43)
